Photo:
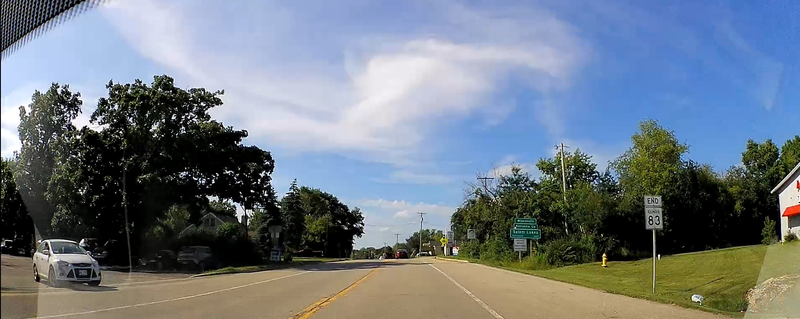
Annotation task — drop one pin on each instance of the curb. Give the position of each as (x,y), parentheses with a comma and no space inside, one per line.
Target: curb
(453,260)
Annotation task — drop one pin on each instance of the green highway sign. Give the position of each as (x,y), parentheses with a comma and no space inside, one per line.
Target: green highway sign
(526,226)
(526,233)
(525,221)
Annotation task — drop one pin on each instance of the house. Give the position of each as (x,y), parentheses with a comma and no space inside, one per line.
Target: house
(209,222)
(789,197)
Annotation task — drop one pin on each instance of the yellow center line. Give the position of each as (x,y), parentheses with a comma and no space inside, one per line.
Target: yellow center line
(313,308)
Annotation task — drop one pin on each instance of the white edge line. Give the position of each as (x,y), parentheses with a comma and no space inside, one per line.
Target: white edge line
(173,299)
(469,293)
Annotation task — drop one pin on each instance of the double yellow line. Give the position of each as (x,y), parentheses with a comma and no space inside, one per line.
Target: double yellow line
(313,308)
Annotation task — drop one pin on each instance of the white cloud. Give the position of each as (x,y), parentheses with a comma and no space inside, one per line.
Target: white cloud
(407,177)
(411,208)
(381,100)
(403,214)
(384,229)
(505,166)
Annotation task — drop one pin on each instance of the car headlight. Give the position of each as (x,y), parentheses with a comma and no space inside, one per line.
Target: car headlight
(62,263)
(95,263)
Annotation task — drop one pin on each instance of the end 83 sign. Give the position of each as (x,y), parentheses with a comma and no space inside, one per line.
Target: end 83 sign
(653,217)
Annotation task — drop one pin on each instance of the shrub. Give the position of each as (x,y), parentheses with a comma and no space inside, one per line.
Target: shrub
(497,249)
(567,251)
(768,232)
(471,249)
(789,237)
(228,231)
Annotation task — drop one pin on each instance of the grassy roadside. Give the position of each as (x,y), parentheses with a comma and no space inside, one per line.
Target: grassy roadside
(722,276)
(296,262)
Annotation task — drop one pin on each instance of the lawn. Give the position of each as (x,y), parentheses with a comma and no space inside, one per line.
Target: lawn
(722,276)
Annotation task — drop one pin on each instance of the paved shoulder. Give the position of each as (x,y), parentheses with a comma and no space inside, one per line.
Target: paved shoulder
(515,295)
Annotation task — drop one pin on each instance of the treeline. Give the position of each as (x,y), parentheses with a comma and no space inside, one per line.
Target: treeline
(411,244)
(155,153)
(602,210)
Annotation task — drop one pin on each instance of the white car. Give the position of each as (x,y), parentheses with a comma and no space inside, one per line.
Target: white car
(59,260)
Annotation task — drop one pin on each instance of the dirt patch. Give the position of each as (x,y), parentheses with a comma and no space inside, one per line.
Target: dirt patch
(762,295)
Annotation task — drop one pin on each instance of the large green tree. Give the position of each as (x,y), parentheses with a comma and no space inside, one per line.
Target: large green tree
(15,222)
(46,133)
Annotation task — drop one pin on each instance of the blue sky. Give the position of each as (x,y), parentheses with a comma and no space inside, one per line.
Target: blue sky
(394,106)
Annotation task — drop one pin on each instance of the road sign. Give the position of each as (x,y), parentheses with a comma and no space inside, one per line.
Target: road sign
(526,226)
(652,201)
(653,219)
(525,221)
(520,244)
(443,241)
(526,233)
(471,234)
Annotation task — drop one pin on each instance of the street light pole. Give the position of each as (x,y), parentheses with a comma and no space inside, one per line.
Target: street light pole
(125,204)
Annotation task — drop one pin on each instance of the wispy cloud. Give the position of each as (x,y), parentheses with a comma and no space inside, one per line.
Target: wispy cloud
(398,206)
(505,166)
(408,177)
(379,101)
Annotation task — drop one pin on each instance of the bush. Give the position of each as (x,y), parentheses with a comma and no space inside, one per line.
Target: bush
(228,231)
(470,249)
(768,232)
(789,237)
(567,251)
(497,249)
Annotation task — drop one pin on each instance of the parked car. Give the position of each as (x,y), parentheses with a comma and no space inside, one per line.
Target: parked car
(89,244)
(197,257)
(160,260)
(59,260)
(6,246)
(113,252)
(424,253)
(401,253)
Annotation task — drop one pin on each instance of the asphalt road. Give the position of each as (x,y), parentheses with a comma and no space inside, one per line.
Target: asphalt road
(419,288)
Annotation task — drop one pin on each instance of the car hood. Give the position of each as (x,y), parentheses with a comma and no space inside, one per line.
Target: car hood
(74,258)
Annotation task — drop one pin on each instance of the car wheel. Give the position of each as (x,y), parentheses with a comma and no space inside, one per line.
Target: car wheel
(51,278)
(94,283)
(36,274)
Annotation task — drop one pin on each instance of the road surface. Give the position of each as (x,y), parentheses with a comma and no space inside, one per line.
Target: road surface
(417,288)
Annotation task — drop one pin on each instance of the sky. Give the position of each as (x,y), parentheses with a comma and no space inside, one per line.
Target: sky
(396,106)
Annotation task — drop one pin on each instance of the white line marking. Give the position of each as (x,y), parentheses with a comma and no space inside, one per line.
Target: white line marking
(478,300)
(171,300)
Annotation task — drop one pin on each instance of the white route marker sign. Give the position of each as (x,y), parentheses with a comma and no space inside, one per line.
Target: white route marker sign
(653,218)
(520,244)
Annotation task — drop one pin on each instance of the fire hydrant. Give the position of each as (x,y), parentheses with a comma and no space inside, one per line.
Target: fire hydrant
(604,260)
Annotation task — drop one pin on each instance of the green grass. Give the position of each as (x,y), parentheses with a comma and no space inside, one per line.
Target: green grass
(297,261)
(722,276)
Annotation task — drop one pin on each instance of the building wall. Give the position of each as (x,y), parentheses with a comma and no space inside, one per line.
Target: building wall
(790,196)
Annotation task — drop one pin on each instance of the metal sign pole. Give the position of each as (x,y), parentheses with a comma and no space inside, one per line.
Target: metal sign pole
(654,261)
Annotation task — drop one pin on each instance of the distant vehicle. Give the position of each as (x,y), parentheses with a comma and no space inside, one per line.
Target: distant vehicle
(197,257)
(113,252)
(401,253)
(162,259)
(89,244)
(424,253)
(59,260)
(6,246)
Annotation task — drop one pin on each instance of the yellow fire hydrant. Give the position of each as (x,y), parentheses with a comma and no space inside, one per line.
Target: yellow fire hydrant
(604,260)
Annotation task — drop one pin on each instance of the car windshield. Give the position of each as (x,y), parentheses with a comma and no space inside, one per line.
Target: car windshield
(58,248)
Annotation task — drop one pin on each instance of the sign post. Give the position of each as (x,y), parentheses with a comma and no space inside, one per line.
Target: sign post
(653,220)
(524,229)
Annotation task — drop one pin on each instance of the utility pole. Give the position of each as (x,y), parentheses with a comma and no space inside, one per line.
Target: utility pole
(564,182)
(485,187)
(125,203)
(396,240)
(420,231)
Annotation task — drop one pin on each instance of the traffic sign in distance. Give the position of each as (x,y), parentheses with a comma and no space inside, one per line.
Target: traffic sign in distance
(520,244)
(652,201)
(471,234)
(526,233)
(526,226)
(653,218)
(525,221)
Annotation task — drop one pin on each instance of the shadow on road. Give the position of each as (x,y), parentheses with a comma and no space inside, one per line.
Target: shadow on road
(82,287)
